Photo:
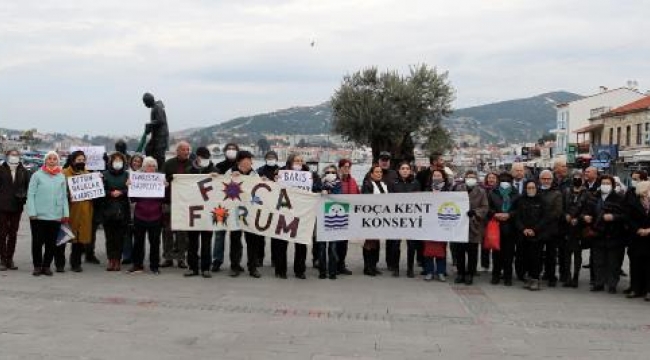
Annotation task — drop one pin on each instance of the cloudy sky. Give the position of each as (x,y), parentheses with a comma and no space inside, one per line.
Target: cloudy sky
(81,66)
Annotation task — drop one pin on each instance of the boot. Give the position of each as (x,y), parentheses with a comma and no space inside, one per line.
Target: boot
(109,266)
(117,265)
(469,280)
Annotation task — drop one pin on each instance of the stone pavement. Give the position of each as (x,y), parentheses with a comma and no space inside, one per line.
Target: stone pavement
(102,315)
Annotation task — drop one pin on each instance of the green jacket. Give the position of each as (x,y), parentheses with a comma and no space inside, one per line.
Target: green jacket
(47,196)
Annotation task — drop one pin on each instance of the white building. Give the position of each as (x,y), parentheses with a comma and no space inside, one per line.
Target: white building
(575,115)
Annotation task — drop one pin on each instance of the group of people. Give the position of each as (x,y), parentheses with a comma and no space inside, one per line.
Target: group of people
(543,224)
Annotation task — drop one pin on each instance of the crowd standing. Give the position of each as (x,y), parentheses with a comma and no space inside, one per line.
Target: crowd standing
(544,224)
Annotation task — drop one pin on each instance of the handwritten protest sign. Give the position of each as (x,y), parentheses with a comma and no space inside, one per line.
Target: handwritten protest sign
(94,156)
(86,187)
(146,185)
(416,216)
(295,179)
(248,203)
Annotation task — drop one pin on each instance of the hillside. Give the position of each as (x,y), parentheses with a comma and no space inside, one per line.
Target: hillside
(510,121)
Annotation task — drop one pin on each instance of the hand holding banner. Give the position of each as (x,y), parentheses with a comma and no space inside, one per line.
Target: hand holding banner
(295,179)
(86,187)
(146,185)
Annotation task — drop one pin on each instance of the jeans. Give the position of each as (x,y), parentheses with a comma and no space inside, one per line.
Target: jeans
(218,249)
(327,258)
(435,265)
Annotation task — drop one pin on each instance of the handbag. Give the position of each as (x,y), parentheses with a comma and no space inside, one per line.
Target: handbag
(114,211)
(492,238)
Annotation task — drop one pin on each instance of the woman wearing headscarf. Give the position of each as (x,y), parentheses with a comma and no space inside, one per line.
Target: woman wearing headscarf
(81,218)
(500,201)
(47,207)
(116,208)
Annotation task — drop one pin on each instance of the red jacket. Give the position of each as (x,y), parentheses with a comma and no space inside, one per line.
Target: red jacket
(349,186)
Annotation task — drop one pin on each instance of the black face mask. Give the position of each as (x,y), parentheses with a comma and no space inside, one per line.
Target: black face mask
(79,166)
(577,182)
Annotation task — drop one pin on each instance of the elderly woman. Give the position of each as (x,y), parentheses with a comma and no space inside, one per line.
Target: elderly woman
(117,210)
(147,222)
(500,200)
(81,218)
(47,206)
(14,182)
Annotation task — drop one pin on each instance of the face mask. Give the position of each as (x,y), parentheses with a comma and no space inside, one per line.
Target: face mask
(544,187)
(13,160)
(297,167)
(577,182)
(204,163)
(531,193)
(329,177)
(633,183)
(471,182)
(79,166)
(118,165)
(271,162)
(605,189)
(231,154)
(438,184)
(504,185)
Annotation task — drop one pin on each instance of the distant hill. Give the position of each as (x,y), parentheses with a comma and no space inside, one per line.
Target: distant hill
(513,120)
(510,121)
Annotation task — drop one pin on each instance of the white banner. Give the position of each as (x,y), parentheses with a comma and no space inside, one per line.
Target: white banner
(86,187)
(295,179)
(206,203)
(94,156)
(146,185)
(438,216)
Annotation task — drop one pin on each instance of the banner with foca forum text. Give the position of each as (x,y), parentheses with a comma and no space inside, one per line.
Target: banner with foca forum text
(248,203)
(440,216)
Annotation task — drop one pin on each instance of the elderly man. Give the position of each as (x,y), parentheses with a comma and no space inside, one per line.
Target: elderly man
(552,199)
(561,180)
(175,242)
(591,179)
(519,177)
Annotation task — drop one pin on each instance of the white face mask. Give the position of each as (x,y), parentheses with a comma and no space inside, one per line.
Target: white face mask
(118,165)
(470,182)
(329,177)
(297,167)
(231,154)
(544,187)
(204,163)
(633,183)
(504,185)
(13,160)
(271,162)
(605,189)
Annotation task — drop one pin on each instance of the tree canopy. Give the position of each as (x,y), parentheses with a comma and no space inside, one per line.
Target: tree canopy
(385,111)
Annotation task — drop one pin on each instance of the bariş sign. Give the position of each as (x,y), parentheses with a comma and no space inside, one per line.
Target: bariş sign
(296,179)
(86,187)
(146,185)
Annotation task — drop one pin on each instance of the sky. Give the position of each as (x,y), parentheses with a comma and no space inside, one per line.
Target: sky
(81,67)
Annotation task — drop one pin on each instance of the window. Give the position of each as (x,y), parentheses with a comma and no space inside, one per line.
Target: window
(628,135)
(639,135)
(618,136)
(611,136)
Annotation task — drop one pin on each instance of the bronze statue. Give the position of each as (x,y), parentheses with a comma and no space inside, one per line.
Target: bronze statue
(157,127)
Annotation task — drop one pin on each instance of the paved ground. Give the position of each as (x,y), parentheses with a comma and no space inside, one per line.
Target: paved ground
(100,315)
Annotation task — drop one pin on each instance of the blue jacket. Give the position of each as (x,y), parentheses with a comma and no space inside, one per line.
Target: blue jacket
(47,197)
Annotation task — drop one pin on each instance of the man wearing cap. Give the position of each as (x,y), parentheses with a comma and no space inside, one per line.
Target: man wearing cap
(390,175)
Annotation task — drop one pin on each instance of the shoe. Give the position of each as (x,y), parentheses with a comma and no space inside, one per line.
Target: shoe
(596,288)
(77,269)
(395,273)
(633,295)
(611,290)
(322,276)
(410,274)
(60,269)
(507,282)
(167,263)
(552,283)
(442,278)
(332,277)
(369,272)
(568,284)
(469,280)
(344,271)
(155,272)
(111,265)
(216,267)
(191,273)
(377,272)
(134,269)
(586,266)
(92,259)
(495,280)
(235,273)
(36,272)
(528,284)
(428,277)
(627,291)
(3,267)
(255,274)
(117,265)
(534,286)
(459,279)
(281,276)
(182,264)
(127,262)
(46,271)
(11,265)
(206,274)
(301,276)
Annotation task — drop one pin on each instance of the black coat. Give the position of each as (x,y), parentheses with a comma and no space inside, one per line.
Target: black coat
(410,185)
(13,192)
(367,187)
(225,165)
(496,203)
(268,171)
(532,213)
(609,233)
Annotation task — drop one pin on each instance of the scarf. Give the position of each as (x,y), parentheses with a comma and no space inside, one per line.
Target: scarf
(505,195)
(378,187)
(54,171)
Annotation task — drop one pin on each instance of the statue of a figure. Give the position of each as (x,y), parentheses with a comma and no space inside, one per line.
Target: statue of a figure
(157,128)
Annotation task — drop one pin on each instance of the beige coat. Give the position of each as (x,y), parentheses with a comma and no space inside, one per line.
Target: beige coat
(479,203)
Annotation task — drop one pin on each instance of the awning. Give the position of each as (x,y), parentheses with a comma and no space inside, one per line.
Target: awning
(589,128)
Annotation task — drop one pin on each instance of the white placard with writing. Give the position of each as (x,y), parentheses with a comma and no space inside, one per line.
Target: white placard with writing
(86,187)
(146,185)
(94,156)
(295,179)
